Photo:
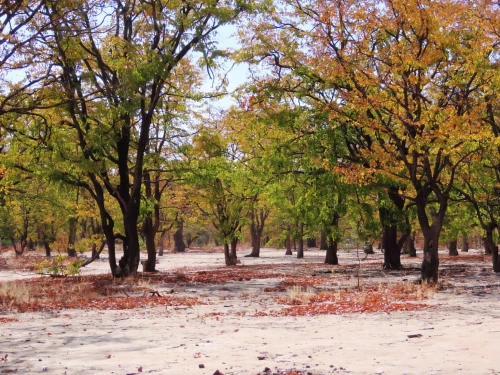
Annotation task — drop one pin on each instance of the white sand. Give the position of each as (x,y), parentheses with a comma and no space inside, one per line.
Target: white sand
(461,335)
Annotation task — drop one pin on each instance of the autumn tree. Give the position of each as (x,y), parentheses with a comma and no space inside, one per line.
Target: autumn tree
(403,76)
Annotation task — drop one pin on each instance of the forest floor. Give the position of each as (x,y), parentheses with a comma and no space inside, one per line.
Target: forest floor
(269,315)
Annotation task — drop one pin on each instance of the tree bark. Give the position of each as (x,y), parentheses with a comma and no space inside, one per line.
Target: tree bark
(331,252)
(288,245)
(390,244)
(322,242)
(46,245)
(234,243)
(431,232)
(73,221)
(430,263)
(179,245)
(492,247)
(256,230)
(161,243)
(228,257)
(452,248)
(412,251)
(149,233)
(300,250)
(496,259)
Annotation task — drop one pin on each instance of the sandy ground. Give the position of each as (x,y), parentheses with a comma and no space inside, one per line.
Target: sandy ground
(460,334)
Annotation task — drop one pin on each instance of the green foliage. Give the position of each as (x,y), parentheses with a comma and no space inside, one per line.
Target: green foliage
(60,265)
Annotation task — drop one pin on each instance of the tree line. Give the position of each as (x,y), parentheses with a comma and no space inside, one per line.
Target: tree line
(358,118)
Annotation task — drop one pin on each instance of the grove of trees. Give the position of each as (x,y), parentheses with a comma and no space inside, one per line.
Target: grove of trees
(365,120)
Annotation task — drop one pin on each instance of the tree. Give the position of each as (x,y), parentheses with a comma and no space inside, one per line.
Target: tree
(110,65)
(403,76)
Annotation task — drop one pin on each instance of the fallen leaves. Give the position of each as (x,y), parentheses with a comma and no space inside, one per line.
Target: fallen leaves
(97,292)
(8,320)
(369,300)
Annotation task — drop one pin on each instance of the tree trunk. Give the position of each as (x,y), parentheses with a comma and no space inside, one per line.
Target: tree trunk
(234,243)
(392,249)
(255,236)
(96,254)
(161,243)
(46,245)
(411,246)
(149,233)
(322,242)
(452,248)
(311,242)
(492,247)
(392,257)
(129,263)
(288,245)
(331,252)
(487,246)
(300,250)
(73,221)
(430,263)
(230,261)
(179,245)
(496,259)
(465,243)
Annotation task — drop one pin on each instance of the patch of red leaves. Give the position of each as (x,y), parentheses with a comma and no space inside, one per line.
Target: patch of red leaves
(466,258)
(394,298)
(116,303)
(99,292)
(303,281)
(8,320)
(217,276)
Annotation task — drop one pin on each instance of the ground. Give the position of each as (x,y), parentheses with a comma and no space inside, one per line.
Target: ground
(268,315)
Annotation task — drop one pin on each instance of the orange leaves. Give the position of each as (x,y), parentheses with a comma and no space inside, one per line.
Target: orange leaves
(90,292)
(371,300)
